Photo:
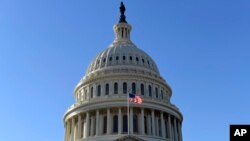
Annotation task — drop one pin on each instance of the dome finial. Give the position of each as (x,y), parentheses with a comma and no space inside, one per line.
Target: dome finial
(122,11)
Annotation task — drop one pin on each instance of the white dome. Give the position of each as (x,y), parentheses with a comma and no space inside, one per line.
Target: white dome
(122,57)
(118,55)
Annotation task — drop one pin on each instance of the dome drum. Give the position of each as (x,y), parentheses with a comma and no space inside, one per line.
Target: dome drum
(114,87)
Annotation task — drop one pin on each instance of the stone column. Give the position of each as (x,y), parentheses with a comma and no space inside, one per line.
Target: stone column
(153,122)
(65,131)
(142,122)
(129,88)
(68,131)
(94,90)
(101,125)
(75,132)
(88,91)
(97,123)
(131,121)
(83,127)
(119,121)
(87,125)
(120,87)
(156,126)
(180,132)
(111,87)
(103,85)
(149,124)
(138,86)
(163,132)
(79,127)
(92,126)
(169,127)
(108,121)
(175,130)
(153,90)
(146,88)
(72,128)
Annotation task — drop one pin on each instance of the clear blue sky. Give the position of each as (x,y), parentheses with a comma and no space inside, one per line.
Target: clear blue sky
(202,48)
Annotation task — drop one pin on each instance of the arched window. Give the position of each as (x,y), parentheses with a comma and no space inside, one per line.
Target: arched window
(117,58)
(133,88)
(110,58)
(91,92)
(124,88)
(135,123)
(115,124)
(130,58)
(124,57)
(107,89)
(116,88)
(142,89)
(99,90)
(104,124)
(156,92)
(143,61)
(145,125)
(161,94)
(137,59)
(149,90)
(125,123)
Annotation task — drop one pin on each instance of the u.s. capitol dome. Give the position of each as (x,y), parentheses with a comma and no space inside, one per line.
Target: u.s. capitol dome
(101,113)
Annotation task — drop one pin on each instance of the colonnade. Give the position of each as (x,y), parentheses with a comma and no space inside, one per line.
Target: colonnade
(111,121)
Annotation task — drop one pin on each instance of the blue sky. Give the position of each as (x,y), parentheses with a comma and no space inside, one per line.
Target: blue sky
(202,49)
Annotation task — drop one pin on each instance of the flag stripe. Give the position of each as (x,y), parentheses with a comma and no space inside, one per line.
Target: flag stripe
(135,98)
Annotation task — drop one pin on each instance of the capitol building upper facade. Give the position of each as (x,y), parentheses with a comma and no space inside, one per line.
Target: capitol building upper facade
(101,113)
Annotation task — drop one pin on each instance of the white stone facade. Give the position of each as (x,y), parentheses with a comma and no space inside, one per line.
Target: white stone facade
(100,111)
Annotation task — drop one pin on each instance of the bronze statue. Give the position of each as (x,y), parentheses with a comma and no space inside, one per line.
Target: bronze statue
(122,11)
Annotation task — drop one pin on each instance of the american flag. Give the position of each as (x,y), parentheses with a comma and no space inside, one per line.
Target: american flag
(135,98)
